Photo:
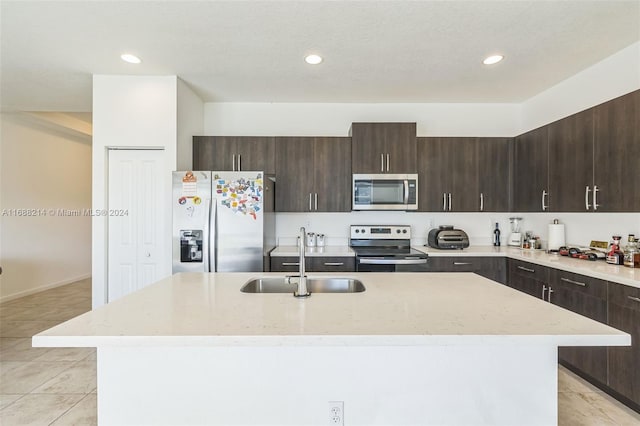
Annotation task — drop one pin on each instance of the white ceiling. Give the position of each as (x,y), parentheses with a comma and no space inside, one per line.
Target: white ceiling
(252,51)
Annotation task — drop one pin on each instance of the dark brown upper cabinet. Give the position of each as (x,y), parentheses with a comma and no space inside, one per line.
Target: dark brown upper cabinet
(313,174)
(383,147)
(531,171)
(617,154)
(571,163)
(234,153)
(463,174)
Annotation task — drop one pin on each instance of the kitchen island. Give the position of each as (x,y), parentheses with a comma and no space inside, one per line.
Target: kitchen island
(422,348)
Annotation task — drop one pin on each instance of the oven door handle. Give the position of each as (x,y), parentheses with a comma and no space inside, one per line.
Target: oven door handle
(382,261)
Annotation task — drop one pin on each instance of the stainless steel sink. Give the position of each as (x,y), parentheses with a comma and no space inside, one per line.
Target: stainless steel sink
(315,285)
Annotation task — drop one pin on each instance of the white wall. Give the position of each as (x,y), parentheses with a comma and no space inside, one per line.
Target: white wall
(190,123)
(43,167)
(334,119)
(608,79)
(130,111)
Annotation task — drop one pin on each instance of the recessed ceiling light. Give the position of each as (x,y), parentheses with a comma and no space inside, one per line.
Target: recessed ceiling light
(494,59)
(313,59)
(132,59)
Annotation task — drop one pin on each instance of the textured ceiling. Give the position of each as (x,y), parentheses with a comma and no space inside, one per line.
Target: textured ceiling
(252,51)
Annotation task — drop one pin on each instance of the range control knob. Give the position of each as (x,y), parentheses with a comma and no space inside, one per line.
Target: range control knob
(404,231)
(357,231)
(397,231)
(362,230)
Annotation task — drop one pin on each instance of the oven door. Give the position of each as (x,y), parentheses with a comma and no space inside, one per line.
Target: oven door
(391,264)
(385,192)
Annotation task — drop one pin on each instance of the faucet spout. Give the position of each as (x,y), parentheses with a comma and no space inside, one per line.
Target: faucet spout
(302,290)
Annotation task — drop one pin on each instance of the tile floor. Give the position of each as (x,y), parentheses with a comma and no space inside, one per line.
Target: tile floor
(57,386)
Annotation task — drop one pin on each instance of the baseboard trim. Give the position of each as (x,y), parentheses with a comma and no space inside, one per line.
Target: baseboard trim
(14,296)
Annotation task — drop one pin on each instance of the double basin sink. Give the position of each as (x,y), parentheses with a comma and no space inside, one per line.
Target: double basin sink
(314,285)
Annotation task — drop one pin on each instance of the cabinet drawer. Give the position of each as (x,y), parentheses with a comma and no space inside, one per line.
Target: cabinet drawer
(580,283)
(528,270)
(332,264)
(624,296)
(454,264)
(287,264)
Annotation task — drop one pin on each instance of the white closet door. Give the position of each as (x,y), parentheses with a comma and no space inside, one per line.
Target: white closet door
(136,220)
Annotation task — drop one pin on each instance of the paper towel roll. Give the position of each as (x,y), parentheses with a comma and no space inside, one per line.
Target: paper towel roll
(556,236)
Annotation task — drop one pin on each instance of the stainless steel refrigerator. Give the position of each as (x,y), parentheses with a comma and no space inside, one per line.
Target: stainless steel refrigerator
(222,221)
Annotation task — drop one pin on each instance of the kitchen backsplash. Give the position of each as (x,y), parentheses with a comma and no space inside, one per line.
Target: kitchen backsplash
(580,228)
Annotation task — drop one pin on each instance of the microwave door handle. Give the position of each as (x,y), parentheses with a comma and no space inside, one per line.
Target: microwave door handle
(406,192)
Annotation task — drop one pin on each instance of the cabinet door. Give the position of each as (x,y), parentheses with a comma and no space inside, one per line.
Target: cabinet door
(368,148)
(616,153)
(527,277)
(256,153)
(332,174)
(624,361)
(463,168)
(400,144)
(332,264)
(530,171)
(570,162)
(213,153)
(434,179)
(294,175)
(493,173)
(588,297)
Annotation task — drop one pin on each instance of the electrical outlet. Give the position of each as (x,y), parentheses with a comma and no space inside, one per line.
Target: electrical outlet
(336,413)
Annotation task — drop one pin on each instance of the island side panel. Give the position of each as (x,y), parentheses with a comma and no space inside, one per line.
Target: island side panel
(480,385)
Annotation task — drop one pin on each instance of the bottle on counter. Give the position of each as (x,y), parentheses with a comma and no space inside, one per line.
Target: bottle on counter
(496,236)
(632,252)
(615,256)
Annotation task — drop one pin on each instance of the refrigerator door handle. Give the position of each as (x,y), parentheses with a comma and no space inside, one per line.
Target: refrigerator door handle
(207,245)
(213,246)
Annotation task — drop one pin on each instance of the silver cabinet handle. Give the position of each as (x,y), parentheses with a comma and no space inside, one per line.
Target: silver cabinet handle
(316,200)
(290,263)
(567,280)
(544,194)
(382,162)
(595,197)
(544,290)
(636,299)
(387,162)
(333,263)
(526,269)
(239,162)
(233,162)
(444,201)
(481,201)
(310,202)
(449,201)
(549,294)
(586,198)
(462,263)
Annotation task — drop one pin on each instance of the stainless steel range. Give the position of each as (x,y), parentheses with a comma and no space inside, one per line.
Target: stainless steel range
(385,248)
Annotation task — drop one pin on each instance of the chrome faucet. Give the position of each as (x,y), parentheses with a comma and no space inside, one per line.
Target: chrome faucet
(302,290)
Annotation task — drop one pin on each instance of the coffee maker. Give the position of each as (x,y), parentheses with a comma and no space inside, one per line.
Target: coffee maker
(515,238)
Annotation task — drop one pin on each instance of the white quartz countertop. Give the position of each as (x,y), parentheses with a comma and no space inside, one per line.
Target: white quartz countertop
(396,309)
(597,269)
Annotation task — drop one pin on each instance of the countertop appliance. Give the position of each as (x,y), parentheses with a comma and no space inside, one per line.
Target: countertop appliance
(446,237)
(222,221)
(385,248)
(515,237)
(385,192)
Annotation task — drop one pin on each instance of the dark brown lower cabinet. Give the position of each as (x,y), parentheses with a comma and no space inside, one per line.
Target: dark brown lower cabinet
(493,268)
(314,264)
(624,361)
(528,278)
(588,297)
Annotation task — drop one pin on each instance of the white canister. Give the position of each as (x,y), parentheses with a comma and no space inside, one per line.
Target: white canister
(320,240)
(311,239)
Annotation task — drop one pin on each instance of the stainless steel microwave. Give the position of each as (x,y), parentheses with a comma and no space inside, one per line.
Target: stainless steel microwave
(385,192)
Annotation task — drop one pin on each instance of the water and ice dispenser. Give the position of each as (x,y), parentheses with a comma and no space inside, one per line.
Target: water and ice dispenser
(191,245)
